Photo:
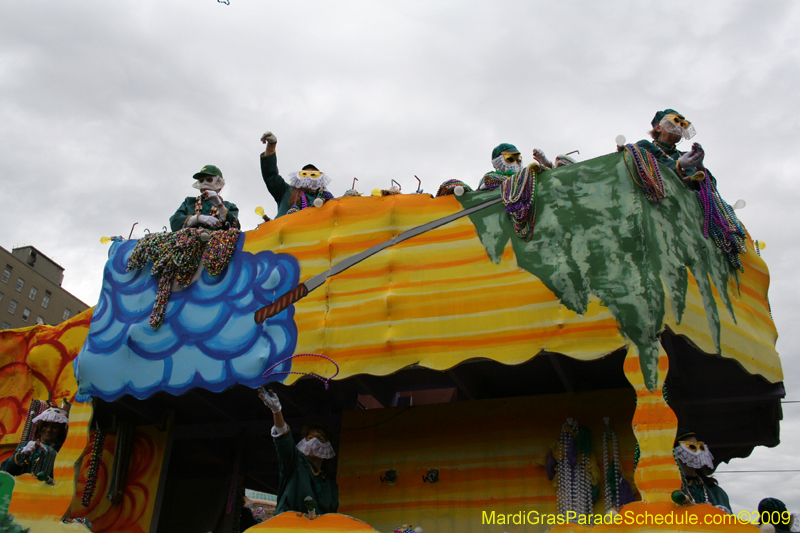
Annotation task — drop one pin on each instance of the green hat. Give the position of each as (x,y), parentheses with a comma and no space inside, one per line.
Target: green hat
(660,115)
(505,147)
(770,505)
(767,510)
(208,170)
(682,434)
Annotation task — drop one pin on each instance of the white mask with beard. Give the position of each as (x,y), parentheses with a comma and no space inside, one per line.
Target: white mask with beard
(215,185)
(501,165)
(315,447)
(694,454)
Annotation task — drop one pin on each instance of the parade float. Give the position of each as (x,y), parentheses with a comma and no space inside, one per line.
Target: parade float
(457,347)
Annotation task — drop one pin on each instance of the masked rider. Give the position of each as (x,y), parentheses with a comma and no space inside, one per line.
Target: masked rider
(696,464)
(306,188)
(669,127)
(303,480)
(207,210)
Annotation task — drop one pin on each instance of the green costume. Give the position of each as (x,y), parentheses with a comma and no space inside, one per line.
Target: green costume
(666,154)
(187,209)
(282,191)
(716,496)
(39,462)
(299,478)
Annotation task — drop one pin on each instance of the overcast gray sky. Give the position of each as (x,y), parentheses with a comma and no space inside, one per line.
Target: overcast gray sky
(108,108)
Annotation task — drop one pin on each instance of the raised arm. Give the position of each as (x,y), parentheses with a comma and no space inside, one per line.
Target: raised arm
(276,185)
(271,400)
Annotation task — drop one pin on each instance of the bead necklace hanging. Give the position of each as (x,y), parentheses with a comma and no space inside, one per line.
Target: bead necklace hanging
(272,372)
(42,466)
(519,197)
(198,207)
(94,466)
(176,257)
(35,408)
(720,222)
(647,169)
(566,475)
(574,484)
(303,203)
(612,461)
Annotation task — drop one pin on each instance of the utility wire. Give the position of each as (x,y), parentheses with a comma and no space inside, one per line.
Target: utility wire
(751,471)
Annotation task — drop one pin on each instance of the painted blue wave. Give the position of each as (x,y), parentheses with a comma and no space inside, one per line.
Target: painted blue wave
(208,338)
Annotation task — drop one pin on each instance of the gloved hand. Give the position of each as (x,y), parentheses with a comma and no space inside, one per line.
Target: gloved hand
(693,158)
(214,198)
(208,220)
(29,448)
(270,399)
(539,156)
(269,137)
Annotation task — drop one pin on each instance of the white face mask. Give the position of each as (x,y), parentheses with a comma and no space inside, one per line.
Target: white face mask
(216,184)
(677,125)
(315,447)
(501,165)
(694,454)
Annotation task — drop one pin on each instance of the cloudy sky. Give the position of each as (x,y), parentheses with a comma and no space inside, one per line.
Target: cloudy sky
(108,108)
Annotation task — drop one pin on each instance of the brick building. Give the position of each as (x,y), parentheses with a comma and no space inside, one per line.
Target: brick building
(30,290)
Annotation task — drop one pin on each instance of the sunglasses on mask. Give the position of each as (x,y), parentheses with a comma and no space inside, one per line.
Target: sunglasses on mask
(694,446)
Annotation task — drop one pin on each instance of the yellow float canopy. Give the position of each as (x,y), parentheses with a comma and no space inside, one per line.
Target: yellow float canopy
(605,268)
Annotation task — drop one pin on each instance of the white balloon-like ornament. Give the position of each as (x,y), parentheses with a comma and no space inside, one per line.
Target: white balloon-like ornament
(458,190)
(620,140)
(318,202)
(740,204)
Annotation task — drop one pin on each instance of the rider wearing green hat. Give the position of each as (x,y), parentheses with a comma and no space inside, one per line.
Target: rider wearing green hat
(669,127)
(506,161)
(207,210)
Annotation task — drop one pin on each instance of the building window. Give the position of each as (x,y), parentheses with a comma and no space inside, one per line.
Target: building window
(32,294)
(12,306)
(40,320)
(66,314)
(6,325)
(6,273)
(1,296)
(26,314)
(20,283)
(46,299)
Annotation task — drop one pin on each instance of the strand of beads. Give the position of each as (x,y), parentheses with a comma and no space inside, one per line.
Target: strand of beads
(234,484)
(684,481)
(585,502)
(569,485)
(219,250)
(175,258)
(271,372)
(613,477)
(519,198)
(564,471)
(35,409)
(94,466)
(198,207)
(647,168)
(720,222)
(492,180)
